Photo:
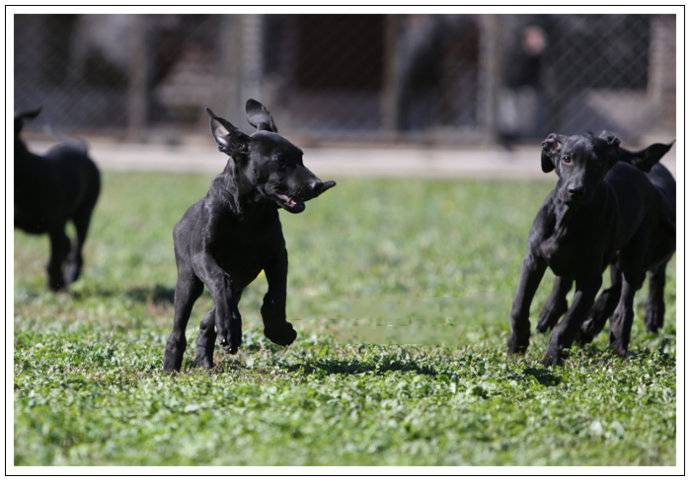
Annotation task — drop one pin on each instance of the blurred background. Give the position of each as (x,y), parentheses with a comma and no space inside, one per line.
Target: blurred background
(422,84)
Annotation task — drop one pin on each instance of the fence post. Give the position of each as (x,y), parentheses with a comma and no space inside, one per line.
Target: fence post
(137,91)
(489,74)
(230,48)
(661,87)
(251,32)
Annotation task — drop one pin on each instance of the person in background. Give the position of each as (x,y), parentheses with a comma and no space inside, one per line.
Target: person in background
(521,99)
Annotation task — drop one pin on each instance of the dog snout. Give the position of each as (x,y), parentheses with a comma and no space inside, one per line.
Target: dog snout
(317,187)
(576,190)
(574,194)
(314,186)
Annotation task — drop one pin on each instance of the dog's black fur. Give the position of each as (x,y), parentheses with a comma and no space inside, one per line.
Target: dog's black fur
(225,239)
(601,212)
(50,190)
(556,305)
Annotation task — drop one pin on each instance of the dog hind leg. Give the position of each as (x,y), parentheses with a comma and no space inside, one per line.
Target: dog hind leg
(75,260)
(187,291)
(59,248)
(206,341)
(654,316)
(621,322)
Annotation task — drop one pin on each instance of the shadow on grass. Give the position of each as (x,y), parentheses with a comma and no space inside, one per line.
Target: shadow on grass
(157,295)
(543,376)
(354,366)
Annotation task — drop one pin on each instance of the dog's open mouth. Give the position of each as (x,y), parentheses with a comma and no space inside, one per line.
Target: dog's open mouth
(289,203)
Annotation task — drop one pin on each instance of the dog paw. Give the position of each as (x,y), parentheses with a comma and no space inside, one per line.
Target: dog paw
(56,284)
(543,325)
(619,348)
(282,334)
(230,340)
(72,271)
(616,343)
(585,335)
(517,345)
(654,319)
(583,338)
(549,317)
(552,358)
(174,350)
(231,348)
(203,361)
(172,362)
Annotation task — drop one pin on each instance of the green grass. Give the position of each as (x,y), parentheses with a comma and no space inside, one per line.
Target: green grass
(399,290)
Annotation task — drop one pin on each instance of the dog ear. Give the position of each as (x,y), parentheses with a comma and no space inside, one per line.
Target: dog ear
(29,114)
(550,147)
(229,138)
(259,116)
(22,117)
(646,158)
(609,137)
(612,151)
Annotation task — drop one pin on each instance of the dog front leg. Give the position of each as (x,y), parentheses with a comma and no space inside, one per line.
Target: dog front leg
(565,331)
(226,299)
(556,305)
(276,326)
(533,268)
(603,307)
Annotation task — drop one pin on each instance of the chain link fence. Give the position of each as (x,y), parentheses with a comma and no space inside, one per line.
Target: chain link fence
(367,78)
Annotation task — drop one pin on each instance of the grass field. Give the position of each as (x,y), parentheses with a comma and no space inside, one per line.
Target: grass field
(399,290)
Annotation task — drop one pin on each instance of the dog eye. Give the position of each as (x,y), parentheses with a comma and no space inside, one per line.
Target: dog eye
(566,159)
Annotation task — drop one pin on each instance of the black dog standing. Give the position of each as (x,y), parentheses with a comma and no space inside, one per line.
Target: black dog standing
(50,190)
(601,211)
(225,239)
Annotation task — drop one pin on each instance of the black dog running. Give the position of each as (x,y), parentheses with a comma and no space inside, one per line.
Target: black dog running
(225,239)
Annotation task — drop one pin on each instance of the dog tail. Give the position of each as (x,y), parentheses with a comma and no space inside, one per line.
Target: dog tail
(74,142)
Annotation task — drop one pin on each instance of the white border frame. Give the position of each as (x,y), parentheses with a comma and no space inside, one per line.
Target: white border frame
(8,263)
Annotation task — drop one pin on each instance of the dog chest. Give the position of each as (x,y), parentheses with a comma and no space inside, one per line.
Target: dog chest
(571,253)
(244,254)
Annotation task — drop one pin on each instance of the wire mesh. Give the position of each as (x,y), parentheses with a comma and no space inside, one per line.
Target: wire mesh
(455,78)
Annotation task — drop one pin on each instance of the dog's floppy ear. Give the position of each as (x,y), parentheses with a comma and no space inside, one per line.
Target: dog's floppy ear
(646,158)
(550,147)
(229,138)
(259,116)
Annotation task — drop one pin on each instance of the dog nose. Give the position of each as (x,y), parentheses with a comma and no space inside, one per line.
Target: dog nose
(328,184)
(576,190)
(318,187)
